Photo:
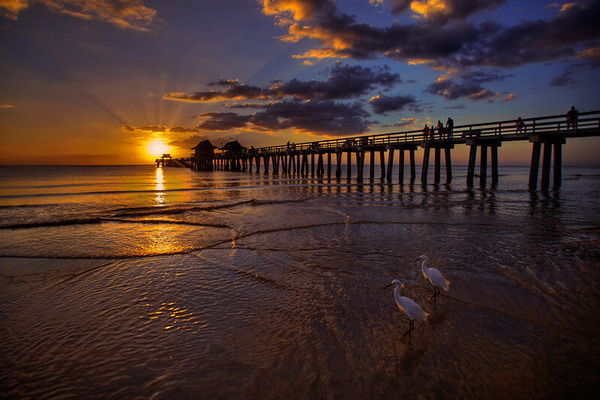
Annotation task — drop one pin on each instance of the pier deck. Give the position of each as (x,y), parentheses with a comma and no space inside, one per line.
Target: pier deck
(549,132)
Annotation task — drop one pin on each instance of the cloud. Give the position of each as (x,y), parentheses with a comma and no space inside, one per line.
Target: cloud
(563,79)
(151,129)
(189,142)
(218,121)
(343,82)
(468,83)
(452,89)
(12,8)
(129,14)
(382,104)
(317,117)
(452,42)
(406,122)
(299,10)
(442,11)
(6,106)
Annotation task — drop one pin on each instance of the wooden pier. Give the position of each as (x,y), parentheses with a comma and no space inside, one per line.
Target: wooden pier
(316,159)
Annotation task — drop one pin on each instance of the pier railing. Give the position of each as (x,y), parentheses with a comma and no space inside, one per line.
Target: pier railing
(503,130)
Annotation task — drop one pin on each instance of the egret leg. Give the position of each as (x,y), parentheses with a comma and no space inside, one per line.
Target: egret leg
(436,291)
(410,328)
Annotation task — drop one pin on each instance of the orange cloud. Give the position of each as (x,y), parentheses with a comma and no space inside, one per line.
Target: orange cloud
(129,14)
(430,8)
(12,8)
(298,9)
(593,53)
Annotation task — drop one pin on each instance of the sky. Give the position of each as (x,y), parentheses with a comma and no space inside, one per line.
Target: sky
(120,81)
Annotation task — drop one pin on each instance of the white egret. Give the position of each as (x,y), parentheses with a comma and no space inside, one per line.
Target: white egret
(406,305)
(435,277)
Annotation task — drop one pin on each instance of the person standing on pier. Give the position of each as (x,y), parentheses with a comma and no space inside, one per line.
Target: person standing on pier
(440,127)
(572,117)
(449,128)
(425,132)
(520,126)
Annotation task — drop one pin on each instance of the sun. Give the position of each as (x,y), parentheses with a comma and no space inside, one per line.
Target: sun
(157,148)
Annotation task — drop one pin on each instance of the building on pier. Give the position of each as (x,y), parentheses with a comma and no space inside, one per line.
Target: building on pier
(204,154)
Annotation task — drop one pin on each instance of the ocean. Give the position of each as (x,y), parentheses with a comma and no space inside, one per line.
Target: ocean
(136,282)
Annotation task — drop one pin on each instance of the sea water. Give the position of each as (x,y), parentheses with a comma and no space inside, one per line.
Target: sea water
(142,282)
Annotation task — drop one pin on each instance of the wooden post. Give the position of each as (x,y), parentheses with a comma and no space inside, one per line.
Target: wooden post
(284,163)
(425,168)
(413,166)
(557,164)
(535,164)
(338,167)
(349,164)
(312,164)
(320,168)
(471,167)
(372,165)
(382,163)
(360,163)
(305,164)
(390,166)
(483,167)
(546,165)
(329,164)
(494,150)
(401,166)
(448,159)
(438,162)
(267,164)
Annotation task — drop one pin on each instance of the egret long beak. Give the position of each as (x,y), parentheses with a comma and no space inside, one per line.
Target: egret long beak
(388,286)
(418,259)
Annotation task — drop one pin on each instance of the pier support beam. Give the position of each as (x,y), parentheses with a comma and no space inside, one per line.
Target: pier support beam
(338,167)
(548,141)
(427,146)
(382,162)
(493,144)
(360,164)
(349,165)
(390,166)
(372,165)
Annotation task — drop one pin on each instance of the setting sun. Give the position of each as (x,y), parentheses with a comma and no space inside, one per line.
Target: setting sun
(157,148)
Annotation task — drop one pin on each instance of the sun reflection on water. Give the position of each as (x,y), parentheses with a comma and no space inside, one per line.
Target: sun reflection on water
(160,187)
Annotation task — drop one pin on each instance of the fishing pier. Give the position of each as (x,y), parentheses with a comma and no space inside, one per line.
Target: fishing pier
(546,134)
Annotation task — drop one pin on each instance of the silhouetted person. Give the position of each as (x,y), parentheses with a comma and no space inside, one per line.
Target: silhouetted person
(572,117)
(440,127)
(449,128)
(425,132)
(520,126)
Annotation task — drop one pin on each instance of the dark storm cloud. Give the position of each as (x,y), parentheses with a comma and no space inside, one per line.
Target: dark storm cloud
(452,90)
(457,44)
(234,91)
(444,11)
(343,82)
(216,121)
(468,84)
(564,79)
(316,117)
(382,104)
